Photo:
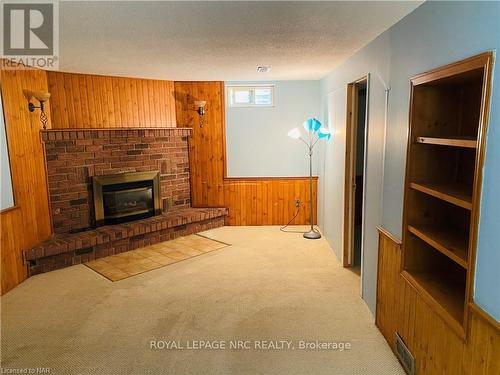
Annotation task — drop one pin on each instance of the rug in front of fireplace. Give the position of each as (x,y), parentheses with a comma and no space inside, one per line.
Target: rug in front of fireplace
(121,266)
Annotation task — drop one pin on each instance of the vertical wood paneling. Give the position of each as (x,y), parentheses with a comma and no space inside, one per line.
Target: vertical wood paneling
(437,349)
(267,202)
(206,143)
(251,201)
(93,101)
(29,222)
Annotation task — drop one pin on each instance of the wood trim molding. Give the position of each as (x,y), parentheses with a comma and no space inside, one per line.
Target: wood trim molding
(484,315)
(224,133)
(473,62)
(390,236)
(351,118)
(485,60)
(273,178)
(169,128)
(5,210)
(351,136)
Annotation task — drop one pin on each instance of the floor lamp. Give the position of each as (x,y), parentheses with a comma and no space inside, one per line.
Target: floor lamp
(314,133)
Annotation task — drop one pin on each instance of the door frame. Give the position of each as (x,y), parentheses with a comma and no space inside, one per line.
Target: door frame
(350,170)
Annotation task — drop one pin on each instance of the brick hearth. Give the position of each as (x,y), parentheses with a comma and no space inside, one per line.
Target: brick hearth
(65,250)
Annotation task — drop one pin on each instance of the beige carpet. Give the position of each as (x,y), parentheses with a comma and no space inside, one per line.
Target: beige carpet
(131,263)
(267,286)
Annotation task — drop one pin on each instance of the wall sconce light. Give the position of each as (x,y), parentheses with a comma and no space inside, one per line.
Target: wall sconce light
(42,97)
(200,108)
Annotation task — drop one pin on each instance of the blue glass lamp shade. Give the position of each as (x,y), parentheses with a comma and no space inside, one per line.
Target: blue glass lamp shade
(324,133)
(312,125)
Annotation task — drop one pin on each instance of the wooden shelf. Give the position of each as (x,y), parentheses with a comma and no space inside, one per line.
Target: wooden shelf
(443,295)
(454,194)
(452,243)
(442,183)
(467,142)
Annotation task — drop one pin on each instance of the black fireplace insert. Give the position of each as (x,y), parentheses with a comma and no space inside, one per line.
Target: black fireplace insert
(126,197)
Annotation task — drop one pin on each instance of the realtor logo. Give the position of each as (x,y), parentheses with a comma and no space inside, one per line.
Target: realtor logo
(30,33)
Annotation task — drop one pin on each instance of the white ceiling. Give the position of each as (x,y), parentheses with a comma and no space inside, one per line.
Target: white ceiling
(219,40)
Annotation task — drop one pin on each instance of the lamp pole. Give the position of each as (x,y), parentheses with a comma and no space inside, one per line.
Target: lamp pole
(311,234)
(314,132)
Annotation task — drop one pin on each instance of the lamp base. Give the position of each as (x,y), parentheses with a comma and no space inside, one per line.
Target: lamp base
(312,235)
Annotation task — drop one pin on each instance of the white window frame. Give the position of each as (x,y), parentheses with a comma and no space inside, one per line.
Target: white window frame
(250,87)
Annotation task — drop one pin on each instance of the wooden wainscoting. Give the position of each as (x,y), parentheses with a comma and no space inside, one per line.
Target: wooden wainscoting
(94,101)
(433,343)
(28,223)
(251,200)
(268,201)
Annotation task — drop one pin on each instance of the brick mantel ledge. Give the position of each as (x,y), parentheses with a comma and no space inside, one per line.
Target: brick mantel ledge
(71,134)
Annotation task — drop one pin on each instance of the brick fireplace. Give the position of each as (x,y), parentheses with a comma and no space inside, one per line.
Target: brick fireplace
(76,159)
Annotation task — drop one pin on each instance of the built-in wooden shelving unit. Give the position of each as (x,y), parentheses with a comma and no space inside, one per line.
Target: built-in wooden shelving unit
(448,117)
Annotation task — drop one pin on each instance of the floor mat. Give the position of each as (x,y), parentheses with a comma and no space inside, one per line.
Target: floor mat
(121,266)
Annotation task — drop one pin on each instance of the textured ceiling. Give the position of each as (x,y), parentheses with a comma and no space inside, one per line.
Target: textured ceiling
(218,40)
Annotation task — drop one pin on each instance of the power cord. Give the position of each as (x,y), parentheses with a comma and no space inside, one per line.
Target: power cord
(292,219)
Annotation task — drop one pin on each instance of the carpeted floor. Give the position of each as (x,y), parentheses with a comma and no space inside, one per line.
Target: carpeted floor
(268,286)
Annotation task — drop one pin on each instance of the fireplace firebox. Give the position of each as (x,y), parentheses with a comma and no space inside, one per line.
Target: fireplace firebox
(125,197)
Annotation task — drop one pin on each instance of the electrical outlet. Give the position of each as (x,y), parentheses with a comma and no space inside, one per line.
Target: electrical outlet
(297,203)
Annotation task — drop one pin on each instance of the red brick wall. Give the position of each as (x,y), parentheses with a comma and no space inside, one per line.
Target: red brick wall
(73,157)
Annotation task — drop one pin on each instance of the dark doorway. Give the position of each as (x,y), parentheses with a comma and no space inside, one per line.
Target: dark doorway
(355,173)
(360,170)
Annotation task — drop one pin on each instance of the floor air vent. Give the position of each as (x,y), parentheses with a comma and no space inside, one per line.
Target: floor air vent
(404,356)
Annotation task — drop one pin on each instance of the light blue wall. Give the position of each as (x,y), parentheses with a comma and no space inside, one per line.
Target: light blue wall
(374,61)
(256,138)
(434,34)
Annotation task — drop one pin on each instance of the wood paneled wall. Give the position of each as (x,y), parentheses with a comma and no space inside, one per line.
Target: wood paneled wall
(206,144)
(437,349)
(28,223)
(251,201)
(265,201)
(93,101)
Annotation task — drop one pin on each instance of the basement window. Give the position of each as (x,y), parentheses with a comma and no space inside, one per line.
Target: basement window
(250,96)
